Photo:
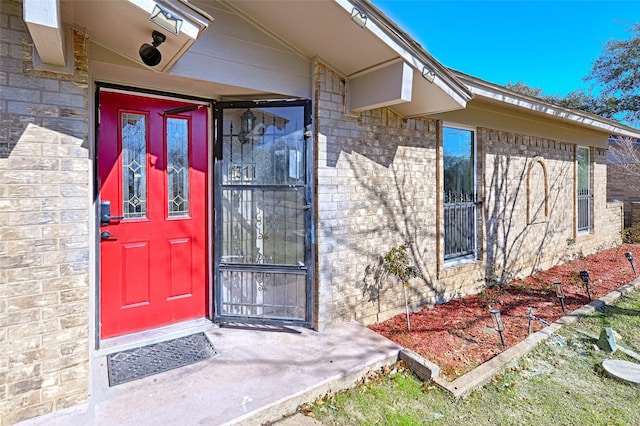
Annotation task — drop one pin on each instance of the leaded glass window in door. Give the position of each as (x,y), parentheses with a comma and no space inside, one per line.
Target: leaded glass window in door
(134,165)
(178,166)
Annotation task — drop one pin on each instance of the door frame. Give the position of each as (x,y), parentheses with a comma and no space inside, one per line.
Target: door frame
(209,214)
(310,216)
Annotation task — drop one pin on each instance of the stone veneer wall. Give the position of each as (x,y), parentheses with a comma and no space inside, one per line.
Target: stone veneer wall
(44,237)
(378,186)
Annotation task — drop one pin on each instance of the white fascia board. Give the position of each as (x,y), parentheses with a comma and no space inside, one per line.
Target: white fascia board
(44,22)
(406,55)
(498,94)
(383,86)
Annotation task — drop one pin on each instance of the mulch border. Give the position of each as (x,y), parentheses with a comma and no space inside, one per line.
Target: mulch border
(481,375)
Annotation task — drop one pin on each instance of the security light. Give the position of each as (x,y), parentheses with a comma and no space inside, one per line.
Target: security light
(149,53)
(166,19)
(358,17)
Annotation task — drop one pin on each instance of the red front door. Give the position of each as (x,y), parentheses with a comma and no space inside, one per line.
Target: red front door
(152,169)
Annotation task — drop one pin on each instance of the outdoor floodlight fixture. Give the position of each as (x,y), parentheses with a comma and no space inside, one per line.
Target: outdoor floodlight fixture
(629,257)
(585,279)
(559,293)
(359,18)
(166,19)
(498,324)
(428,74)
(149,53)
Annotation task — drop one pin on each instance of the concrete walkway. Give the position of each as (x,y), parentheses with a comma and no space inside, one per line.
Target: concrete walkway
(258,377)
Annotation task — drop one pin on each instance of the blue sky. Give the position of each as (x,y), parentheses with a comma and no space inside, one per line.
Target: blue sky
(546,44)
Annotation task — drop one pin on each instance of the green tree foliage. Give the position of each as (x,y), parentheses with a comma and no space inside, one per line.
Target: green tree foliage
(615,76)
(524,89)
(617,73)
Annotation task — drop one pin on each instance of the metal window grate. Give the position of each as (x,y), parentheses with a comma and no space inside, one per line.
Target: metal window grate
(584,210)
(459,225)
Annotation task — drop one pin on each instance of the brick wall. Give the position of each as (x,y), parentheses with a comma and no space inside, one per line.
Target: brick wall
(621,186)
(44,242)
(379,185)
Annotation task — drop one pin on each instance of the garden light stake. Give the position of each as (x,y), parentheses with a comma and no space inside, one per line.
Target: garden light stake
(559,293)
(629,257)
(498,324)
(585,279)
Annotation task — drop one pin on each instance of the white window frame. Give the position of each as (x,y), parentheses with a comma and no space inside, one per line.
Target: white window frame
(474,255)
(589,228)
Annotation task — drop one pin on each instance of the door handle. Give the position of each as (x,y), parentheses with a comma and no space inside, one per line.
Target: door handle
(106,235)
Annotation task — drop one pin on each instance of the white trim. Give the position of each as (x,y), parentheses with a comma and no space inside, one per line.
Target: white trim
(473,256)
(503,95)
(43,19)
(408,56)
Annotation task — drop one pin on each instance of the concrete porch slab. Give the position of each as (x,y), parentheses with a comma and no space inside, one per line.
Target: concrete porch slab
(258,377)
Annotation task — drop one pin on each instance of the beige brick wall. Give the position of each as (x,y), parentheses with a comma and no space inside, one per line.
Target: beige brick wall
(378,186)
(44,242)
(621,186)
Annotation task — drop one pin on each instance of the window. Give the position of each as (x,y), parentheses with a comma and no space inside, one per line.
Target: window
(459,196)
(584,189)
(178,166)
(134,165)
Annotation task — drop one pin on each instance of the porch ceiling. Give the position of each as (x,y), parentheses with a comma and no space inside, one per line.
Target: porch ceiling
(122,26)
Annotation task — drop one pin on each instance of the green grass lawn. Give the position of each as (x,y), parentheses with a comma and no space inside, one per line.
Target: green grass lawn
(559,383)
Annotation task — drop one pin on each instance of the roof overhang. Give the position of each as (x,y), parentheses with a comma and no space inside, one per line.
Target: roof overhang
(44,22)
(381,64)
(120,26)
(491,93)
(363,46)
(421,85)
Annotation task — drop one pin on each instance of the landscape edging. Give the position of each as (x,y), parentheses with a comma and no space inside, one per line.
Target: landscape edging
(481,375)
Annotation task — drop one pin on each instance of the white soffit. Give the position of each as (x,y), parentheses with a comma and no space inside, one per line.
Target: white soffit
(491,92)
(325,29)
(441,79)
(122,26)
(44,22)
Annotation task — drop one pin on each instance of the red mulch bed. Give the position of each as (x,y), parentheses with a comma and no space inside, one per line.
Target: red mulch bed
(457,335)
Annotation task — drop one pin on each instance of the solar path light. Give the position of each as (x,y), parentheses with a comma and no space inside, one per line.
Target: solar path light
(498,324)
(559,293)
(585,279)
(629,257)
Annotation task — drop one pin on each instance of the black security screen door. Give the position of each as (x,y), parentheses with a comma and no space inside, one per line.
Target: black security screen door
(263,212)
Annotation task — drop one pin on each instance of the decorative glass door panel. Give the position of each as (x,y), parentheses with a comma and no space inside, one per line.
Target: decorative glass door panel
(152,173)
(263,196)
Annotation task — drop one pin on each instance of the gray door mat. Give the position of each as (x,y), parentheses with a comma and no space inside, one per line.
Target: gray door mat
(145,361)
